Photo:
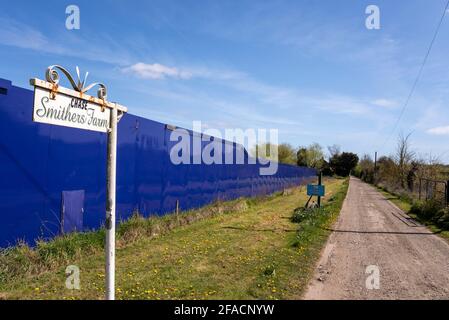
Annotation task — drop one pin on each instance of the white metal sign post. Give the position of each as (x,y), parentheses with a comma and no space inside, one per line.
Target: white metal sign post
(60,106)
(110,207)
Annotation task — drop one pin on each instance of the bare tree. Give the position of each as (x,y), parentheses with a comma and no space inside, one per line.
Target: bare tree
(404,157)
(432,167)
(334,150)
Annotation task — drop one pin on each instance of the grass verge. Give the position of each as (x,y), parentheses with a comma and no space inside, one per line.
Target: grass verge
(245,249)
(406,205)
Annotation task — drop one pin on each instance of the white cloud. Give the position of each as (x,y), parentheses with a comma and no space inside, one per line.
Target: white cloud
(160,71)
(439,131)
(267,97)
(385,103)
(156,71)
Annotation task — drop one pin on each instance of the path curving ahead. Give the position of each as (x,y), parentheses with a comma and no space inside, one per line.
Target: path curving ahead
(412,262)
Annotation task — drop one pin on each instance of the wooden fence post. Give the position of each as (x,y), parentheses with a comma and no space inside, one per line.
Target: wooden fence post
(447,193)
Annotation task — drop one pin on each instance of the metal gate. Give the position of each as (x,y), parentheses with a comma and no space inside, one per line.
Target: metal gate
(434,190)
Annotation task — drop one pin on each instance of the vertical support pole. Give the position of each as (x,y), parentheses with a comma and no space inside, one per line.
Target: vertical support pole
(320,182)
(434,194)
(420,185)
(447,193)
(110,206)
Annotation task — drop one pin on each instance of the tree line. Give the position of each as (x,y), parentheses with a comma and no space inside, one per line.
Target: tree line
(312,156)
(401,171)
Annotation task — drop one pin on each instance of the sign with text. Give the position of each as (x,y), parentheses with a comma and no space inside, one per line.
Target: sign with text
(316,190)
(56,105)
(69,111)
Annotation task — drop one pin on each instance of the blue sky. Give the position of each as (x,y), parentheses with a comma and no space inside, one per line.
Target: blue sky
(308,68)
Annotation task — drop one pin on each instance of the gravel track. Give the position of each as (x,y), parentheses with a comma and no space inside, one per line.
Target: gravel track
(413,263)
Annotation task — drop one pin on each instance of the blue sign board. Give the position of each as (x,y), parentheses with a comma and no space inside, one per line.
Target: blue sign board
(316,190)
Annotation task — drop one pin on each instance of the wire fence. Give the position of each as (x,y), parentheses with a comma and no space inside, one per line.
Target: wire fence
(436,190)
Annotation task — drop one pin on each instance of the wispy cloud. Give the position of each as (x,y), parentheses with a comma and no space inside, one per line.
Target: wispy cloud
(299,100)
(255,101)
(20,35)
(386,103)
(243,101)
(156,71)
(439,131)
(13,33)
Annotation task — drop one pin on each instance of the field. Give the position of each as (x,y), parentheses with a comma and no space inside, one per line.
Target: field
(249,250)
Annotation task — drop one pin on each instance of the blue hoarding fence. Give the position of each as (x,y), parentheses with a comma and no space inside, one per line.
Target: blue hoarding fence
(44,166)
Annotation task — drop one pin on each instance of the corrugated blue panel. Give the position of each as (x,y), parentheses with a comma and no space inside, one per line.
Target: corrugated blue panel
(38,162)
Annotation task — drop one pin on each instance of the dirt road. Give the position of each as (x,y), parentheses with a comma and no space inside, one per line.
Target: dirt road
(371,232)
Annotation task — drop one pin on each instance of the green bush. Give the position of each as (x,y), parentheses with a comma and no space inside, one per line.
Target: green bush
(427,210)
(302,214)
(442,219)
(430,211)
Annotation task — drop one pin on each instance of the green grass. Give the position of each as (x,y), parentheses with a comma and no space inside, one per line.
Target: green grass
(402,203)
(245,249)
(406,205)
